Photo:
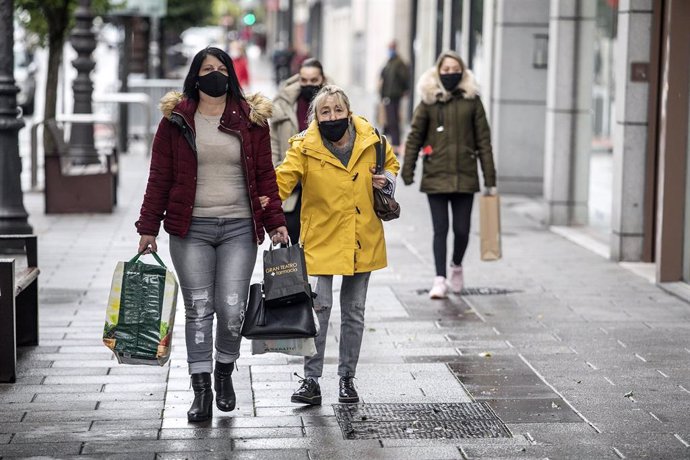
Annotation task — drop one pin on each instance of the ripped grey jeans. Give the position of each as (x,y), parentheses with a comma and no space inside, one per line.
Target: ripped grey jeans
(353,296)
(214,264)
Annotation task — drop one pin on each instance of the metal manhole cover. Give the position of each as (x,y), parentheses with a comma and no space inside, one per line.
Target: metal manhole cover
(487,291)
(477,291)
(419,421)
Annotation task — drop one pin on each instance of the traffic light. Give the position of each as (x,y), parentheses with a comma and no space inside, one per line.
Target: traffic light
(249,18)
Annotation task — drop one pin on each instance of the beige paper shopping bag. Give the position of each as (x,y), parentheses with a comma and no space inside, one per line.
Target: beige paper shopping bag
(490,227)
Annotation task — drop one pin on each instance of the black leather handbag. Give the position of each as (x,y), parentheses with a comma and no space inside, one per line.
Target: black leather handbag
(385,206)
(293,320)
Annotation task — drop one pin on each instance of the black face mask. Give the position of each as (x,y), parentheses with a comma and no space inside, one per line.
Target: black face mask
(450,80)
(333,130)
(214,84)
(307,92)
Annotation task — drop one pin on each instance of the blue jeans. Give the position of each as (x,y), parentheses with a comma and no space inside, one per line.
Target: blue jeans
(353,296)
(214,264)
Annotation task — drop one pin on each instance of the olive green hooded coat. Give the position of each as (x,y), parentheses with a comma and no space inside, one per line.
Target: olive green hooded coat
(451,126)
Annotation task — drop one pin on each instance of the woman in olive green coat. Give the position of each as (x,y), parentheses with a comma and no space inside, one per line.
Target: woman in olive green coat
(450,132)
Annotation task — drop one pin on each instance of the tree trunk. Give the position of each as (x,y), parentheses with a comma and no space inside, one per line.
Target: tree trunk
(58,17)
(55,47)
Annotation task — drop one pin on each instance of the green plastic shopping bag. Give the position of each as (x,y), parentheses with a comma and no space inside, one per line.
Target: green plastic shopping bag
(141,312)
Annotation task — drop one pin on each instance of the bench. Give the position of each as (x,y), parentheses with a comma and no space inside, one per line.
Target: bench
(18,303)
(71,187)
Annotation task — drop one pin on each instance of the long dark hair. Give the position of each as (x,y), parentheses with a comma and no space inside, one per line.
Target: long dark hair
(190,88)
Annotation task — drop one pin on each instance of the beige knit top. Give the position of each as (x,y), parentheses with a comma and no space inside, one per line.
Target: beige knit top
(221,189)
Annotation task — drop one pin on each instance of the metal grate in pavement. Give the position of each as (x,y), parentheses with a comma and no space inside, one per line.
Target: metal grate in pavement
(487,291)
(419,421)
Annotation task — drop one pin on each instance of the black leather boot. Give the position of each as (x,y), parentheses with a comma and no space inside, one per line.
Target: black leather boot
(347,392)
(202,407)
(225,393)
(308,393)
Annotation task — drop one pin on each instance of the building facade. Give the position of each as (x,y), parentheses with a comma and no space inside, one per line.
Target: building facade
(574,89)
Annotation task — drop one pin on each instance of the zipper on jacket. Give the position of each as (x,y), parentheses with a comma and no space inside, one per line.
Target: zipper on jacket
(187,131)
(440,128)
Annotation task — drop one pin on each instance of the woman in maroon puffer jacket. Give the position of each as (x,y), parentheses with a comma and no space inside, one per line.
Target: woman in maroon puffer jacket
(211,161)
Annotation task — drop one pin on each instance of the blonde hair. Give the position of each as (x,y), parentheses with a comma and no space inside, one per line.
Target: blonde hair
(320,98)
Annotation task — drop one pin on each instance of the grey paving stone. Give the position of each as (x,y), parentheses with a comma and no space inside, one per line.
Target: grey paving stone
(124,405)
(316,421)
(57,427)
(130,396)
(214,446)
(295,409)
(6,398)
(483,392)
(70,358)
(180,410)
(312,443)
(76,388)
(64,371)
(100,379)
(52,406)
(566,452)
(75,416)
(135,456)
(237,422)
(124,434)
(12,416)
(48,449)
(230,433)
(85,363)
(109,425)
(262,454)
(134,387)
(548,410)
(140,370)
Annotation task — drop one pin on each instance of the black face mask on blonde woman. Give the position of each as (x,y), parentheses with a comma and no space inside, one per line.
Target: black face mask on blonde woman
(333,130)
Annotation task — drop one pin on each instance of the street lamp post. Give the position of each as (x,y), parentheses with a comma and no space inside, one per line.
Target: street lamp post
(83,39)
(13,215)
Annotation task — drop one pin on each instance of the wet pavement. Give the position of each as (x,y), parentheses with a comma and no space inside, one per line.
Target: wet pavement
(580,358)
(574,355)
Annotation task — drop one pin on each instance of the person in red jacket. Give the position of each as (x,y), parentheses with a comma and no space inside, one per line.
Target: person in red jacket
(211,161)
(240,63)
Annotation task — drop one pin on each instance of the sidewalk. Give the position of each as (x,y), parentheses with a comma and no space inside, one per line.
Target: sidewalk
(579,357)
(554,358)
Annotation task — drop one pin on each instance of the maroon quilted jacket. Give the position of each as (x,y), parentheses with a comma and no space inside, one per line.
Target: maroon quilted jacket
(171,187)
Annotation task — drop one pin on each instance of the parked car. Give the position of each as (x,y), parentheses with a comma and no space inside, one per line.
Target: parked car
(198,38)
(25,78)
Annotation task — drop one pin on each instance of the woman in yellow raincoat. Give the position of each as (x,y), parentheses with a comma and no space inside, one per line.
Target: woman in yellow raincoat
(335,159)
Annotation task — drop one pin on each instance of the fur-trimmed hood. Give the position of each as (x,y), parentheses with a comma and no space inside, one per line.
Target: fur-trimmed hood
(260,107)
(431,90)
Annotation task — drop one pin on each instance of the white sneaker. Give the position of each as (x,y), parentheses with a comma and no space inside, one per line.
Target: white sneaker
(456,281)
(439,289)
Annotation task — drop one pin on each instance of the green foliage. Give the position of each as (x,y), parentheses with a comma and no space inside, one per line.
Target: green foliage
(183,14)
(52,19)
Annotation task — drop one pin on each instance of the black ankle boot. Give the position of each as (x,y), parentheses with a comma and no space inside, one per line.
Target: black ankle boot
(202,407)
(225,393)
(347,392)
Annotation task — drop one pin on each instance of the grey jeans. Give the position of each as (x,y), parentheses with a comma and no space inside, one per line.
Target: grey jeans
(353,295)
(214,263)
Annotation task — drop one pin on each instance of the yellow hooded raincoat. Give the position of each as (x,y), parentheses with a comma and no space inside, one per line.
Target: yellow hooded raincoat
(339,228)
